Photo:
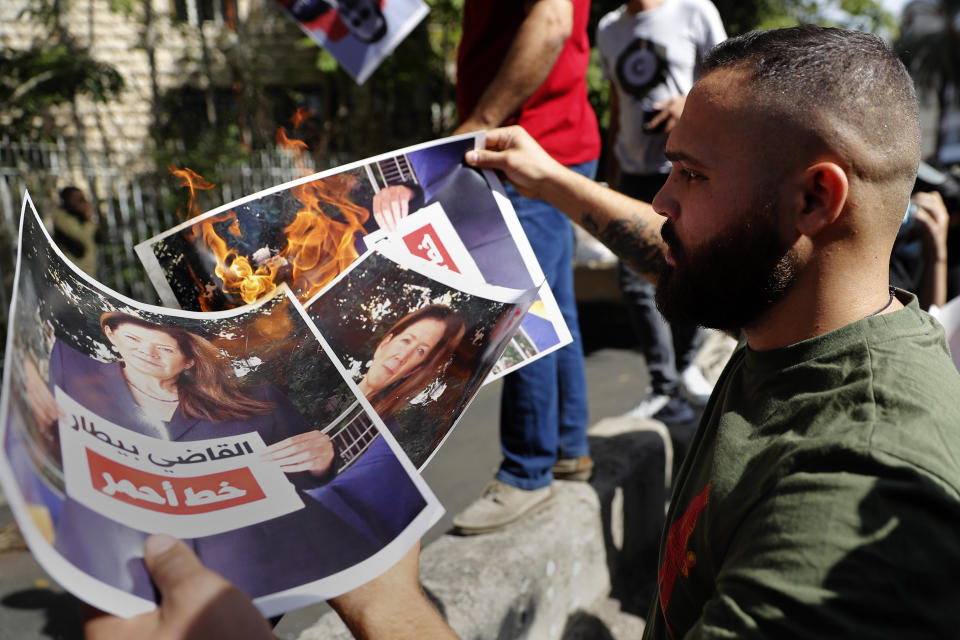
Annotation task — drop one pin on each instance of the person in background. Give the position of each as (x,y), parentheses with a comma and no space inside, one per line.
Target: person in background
(526,63)
(920,259)
(650,52)
(75,230)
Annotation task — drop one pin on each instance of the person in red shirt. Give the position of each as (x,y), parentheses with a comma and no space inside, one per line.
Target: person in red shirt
(525,63)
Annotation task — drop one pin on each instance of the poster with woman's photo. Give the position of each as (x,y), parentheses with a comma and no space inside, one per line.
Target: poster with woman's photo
(120,419)
(359,34)
(305,232)
(418,341)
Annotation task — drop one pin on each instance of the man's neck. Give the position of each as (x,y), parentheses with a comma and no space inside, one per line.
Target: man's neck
(817,306)
(637,6)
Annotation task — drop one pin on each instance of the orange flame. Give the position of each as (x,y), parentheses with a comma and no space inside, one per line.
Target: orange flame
(239,276)
(318,246)
(194,181)
(295,147)
(299,116)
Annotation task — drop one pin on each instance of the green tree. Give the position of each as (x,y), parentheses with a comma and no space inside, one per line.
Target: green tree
(53,71)
(863,15)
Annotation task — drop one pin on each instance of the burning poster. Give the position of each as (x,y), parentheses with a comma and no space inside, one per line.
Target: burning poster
(358,33)
(304,233)
(118,419)
(418,341)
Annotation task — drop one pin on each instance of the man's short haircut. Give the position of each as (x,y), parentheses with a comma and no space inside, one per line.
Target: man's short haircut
(847,88)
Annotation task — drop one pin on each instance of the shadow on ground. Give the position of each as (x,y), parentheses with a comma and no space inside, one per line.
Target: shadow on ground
(61,611)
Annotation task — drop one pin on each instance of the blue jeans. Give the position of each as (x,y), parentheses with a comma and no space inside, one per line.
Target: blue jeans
(667,348)
(543,410)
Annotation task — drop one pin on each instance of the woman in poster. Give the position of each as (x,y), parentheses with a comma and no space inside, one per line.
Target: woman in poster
(172,384)
(411,354)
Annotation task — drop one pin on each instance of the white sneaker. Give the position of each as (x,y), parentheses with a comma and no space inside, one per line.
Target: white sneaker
(650,405)
(698,388)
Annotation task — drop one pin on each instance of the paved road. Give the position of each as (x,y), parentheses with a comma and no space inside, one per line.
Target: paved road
(32,606)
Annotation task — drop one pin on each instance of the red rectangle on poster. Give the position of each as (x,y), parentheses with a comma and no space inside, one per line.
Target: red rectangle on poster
(425,244)
(179,496)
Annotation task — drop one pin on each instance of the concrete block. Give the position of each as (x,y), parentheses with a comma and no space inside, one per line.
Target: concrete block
(542,577)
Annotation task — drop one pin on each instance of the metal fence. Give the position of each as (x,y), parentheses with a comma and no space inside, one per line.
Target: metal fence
(131,205)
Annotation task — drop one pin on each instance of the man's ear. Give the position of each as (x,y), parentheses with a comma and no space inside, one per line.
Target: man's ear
(824,191)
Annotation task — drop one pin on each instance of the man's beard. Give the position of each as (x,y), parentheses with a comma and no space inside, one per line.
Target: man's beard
(732,279)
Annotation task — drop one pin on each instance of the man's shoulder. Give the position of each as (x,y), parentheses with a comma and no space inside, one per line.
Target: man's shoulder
(918,417)
(903,410)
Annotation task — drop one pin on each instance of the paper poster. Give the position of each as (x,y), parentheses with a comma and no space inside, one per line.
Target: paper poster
(417,339)
(306,232)
(178,421)
(428,235)
(187,489)
(358,33)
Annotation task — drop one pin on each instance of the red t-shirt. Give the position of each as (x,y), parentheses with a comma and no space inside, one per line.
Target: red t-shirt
(557,114)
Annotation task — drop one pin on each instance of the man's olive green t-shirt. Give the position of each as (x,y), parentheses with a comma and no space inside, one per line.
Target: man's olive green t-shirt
(821,494)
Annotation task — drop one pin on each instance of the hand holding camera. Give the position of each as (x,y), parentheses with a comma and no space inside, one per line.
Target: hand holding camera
(664,115)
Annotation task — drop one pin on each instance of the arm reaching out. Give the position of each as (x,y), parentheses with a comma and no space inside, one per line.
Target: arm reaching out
(528,62)
(630,228)
(393,606)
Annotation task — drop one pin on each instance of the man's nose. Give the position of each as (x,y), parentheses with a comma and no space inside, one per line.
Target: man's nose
(664,202)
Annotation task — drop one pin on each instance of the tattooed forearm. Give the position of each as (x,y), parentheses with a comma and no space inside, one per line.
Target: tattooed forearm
(634,240)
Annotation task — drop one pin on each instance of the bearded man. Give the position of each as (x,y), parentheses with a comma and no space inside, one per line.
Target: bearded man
(821,494)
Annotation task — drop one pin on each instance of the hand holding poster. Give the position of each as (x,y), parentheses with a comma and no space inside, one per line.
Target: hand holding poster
(171,409)
(166,409)
(306,232)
